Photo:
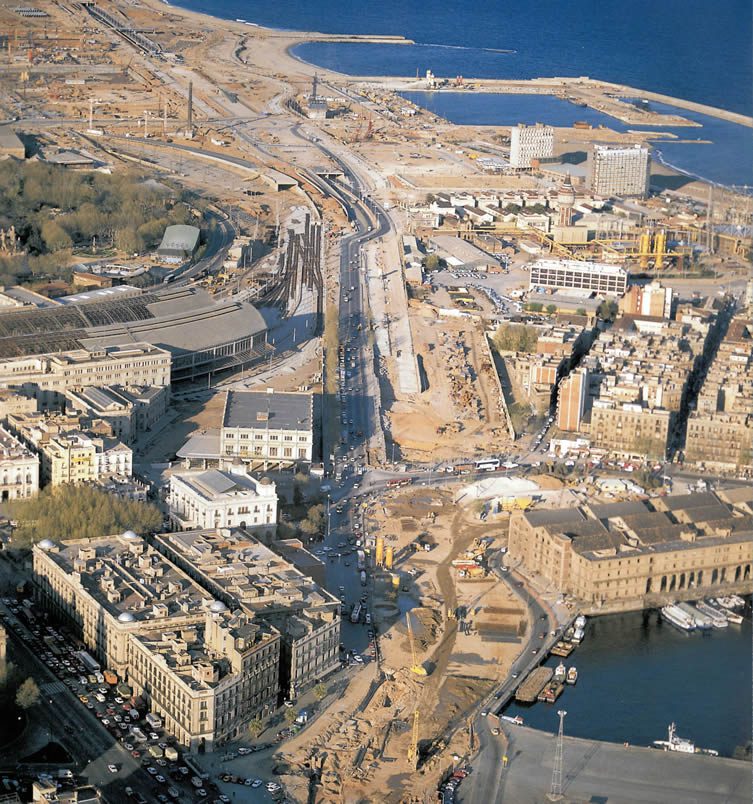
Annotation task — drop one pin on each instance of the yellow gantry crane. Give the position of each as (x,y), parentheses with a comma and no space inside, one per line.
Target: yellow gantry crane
(416,668)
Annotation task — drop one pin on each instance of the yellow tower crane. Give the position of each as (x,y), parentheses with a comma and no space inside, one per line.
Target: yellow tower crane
(416,668)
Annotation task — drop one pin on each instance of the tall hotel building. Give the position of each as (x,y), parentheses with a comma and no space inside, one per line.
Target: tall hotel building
(619,171)
(530,142)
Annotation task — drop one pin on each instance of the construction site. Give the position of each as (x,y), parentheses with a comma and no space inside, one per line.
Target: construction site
(459,409)
(446,637)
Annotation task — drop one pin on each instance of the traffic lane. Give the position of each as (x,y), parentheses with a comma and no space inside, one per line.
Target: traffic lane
(85,738)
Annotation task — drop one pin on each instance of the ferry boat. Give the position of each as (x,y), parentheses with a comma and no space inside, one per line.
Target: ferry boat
(718,620)
(678,618)
(560,672)
(580,621)
(578,635)
(572,675)
(517,720)
(680,744)
(702,622)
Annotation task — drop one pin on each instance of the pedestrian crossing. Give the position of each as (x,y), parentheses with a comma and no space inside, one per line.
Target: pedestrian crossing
(52,688)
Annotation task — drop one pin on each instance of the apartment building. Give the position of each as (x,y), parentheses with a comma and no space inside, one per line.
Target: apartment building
(19,469)
(130,411)
(635,555)
(72,448)
(530,142)
(245,574)
(76,457)
(601,278)
(639,375)
(571,400)
(720,429)
(206,671)
(652,299)
(268,427)
(619,170)
(49,376)
(535,374)
(223,499)
(631,429)
(112,588)
(209,680)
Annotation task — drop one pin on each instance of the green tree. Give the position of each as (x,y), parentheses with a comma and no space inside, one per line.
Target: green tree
(255,727)
(551,309)
(27,694)
(515,338)
(432,262)
(534,307)
(607,310)
(320,692)
(290,715)
(55,237)
(80,512)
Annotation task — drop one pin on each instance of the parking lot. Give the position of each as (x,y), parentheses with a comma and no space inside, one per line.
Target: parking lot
(144,755)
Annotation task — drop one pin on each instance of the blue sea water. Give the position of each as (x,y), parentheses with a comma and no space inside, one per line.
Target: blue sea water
(724,155)
(690,49)
(683,48)
(637,674)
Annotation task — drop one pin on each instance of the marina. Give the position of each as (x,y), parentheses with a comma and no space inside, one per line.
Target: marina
(628,660)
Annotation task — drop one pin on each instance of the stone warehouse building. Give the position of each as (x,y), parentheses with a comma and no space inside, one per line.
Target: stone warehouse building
(635,555)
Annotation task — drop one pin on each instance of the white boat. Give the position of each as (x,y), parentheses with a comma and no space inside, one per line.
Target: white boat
(560,672)
(517,720)
(733,617)
(675,743)
(572,675)
(578,635)
(702,622)
(737,602)
(680,744)
(718,620)
(580,621)
(678,618)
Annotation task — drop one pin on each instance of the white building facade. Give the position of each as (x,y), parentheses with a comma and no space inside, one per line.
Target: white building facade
(223,499)
(19,469)
(530,142)
(619,171)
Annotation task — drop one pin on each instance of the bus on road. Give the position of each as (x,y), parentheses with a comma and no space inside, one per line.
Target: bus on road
(487,465)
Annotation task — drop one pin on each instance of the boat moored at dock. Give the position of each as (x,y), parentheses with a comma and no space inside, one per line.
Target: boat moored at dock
(702,622)
(572,675)
(681,745)
(717,617)
(677,617)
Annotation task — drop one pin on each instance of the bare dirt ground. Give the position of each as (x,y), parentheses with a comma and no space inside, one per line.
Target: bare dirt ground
(460,411)
(362,743)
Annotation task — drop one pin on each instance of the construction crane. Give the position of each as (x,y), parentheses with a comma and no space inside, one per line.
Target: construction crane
(413,747)
(416,668)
